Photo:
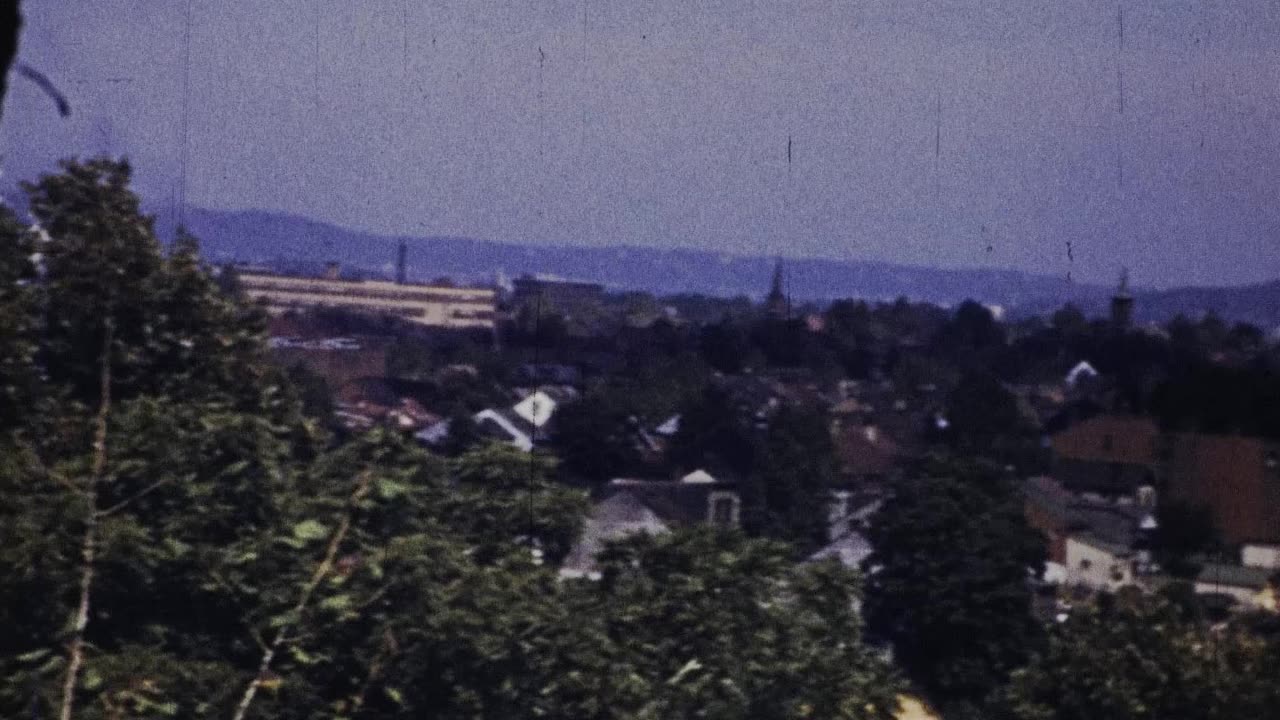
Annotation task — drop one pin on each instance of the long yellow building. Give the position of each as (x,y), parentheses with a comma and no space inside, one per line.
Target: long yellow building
(429,305)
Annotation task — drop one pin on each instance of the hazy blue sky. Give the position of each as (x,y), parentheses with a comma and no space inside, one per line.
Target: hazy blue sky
(663,123)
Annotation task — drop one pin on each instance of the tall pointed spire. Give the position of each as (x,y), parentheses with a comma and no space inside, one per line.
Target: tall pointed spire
(1122,304)
(776,302)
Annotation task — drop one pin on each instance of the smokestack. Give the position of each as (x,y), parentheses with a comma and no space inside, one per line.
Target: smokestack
(402,256)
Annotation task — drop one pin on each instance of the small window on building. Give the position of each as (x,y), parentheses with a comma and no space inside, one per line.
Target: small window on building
(1108,443)
(1085,564)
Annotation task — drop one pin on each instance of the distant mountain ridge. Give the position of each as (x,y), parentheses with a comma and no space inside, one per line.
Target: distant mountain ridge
(291,242)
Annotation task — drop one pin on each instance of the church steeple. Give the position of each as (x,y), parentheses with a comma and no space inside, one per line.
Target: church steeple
(1122,304)
(776,302)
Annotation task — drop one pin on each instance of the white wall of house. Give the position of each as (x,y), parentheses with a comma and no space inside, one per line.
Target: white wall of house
(1097,567)
(1055,573)
(603,525)
(1247,597)
(536,409)
(1261,556)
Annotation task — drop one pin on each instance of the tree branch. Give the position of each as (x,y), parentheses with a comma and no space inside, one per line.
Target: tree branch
(375,669)
(127,501)
(321,572)
(64,481)
(88,546)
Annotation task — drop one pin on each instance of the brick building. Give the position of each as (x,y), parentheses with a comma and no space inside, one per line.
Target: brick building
(1236,477)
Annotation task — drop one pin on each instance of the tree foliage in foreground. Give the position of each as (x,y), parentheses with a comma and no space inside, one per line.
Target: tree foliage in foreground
(1138,659)
(948,583)
(787,495)
(178,539)
(714,625)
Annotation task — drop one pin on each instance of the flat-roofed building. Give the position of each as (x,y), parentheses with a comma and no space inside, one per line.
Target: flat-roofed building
(429,305)
(567,296)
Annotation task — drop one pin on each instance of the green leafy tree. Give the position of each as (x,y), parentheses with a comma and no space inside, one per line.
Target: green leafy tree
(18,322)
(154,426)
(178,539)
(852,333)
(970,335)
(410,359)
(1069,321)
(463,434)
(759,636)
(724,346)
(503,496)
(595,439)
(784,343)
(949,581)
(313,391)
(427,597)
(712,436)
(985,421)
(323,593)
(787,496)
(1185,531)
(1138,659)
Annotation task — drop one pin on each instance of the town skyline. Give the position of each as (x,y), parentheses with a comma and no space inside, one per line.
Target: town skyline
(1076,139)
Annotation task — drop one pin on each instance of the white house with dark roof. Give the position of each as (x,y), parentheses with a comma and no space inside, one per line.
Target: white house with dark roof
(1260,555)
(506,425)
(536,408)
(631,506)
(1097,563)
(521,425)
(669,427)
(1083,371)
(1252,587)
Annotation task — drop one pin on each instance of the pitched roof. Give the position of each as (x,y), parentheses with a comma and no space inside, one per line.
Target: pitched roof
(1116,549)
(1234,576)
(1105,522)
(434,433)
(1232,475)
(1082,370)
(536,408)
(506,425)
(698,476)
(863,451)
(676,503)
(669,427)
(850,549)
(1110,439)
(613,518)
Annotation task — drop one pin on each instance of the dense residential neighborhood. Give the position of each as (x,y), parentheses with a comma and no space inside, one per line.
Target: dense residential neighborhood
(813,418)
(800,422)
(1100,474)
(941,508)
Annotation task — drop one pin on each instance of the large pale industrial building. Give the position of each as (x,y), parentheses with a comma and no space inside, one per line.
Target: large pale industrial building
(429,305)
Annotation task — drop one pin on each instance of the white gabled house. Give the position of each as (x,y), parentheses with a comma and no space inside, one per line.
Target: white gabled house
(653,507)
(521,425)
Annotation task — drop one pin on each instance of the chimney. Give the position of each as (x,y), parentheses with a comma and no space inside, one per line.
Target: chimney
(402,256)
(332,270)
